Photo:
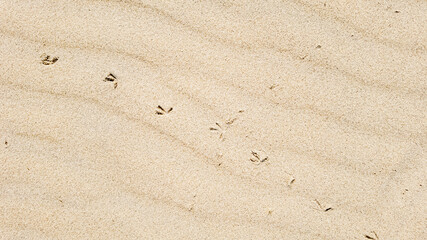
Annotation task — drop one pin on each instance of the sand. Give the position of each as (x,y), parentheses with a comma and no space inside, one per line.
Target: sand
(215,119)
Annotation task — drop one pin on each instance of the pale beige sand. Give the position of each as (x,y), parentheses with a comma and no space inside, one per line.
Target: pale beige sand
(332,92)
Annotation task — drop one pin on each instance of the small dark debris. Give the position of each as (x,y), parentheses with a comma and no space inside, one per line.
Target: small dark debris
(318,46)
(369,237)
(320,206)
(219,129)
(162,111)
(258,157)
(48,60)
(110,78)
(396,11)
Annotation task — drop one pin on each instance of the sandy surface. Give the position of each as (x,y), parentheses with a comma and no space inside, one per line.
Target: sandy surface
(291,119)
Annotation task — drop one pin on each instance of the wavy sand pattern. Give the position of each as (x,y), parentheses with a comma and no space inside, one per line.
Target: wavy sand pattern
(213,119)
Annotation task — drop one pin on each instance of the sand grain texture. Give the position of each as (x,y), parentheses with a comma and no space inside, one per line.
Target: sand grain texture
(278,119)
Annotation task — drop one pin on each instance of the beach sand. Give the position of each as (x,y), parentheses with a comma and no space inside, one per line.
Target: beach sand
(216,119)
